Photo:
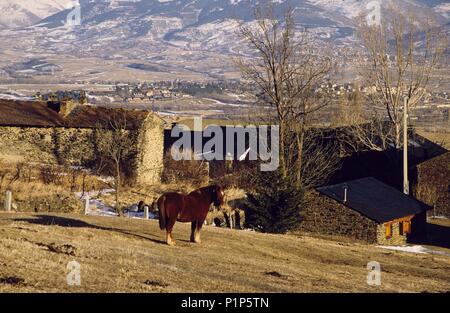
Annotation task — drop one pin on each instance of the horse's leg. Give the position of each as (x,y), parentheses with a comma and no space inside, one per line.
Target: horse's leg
(197,231)
(193,230)
(169,238)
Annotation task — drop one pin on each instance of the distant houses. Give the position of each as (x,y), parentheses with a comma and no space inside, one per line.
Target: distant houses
(78,96)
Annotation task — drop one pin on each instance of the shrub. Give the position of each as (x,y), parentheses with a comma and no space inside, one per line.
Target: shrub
(52,174)
(274,206)
(242,174)
(191,172)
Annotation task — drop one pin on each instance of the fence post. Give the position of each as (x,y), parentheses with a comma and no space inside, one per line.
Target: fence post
(146,212)
(228,219)
(8,201)
(86,205)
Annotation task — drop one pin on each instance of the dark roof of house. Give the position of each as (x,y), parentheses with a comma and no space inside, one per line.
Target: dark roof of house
(375,200)
(38,114)
(28,113)
(90,117)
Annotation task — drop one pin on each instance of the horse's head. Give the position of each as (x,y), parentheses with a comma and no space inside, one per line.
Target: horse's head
(218,195)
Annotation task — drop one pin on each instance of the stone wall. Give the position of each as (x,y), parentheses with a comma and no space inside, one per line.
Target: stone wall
(48,145)
(27,144)
(396,240)
(433,184)
(34,201)
(325,216)
(61,203)
(150,151)
(78,147)
(74,146)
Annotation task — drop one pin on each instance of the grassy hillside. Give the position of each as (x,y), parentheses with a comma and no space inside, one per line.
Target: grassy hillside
(118,254)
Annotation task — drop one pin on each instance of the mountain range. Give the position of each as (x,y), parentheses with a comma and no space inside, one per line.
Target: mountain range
(171,34)
(20,13)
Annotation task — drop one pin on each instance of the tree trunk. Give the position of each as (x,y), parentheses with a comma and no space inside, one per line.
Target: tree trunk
(84,185)
(281,149)
(398,130)
(118,189)
(300,140)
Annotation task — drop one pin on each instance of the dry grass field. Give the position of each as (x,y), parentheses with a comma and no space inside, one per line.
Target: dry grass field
(128,255)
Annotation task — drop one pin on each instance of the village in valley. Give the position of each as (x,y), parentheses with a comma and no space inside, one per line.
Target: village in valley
(303,169)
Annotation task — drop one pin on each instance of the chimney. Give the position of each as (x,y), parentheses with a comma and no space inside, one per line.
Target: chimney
(345,192)
(63,108)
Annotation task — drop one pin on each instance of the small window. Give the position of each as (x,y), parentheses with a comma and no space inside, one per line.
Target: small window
(406,227)
(388,231)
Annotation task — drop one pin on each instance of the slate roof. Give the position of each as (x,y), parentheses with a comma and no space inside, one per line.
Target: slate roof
(38,114)
(28,113)
(374,199)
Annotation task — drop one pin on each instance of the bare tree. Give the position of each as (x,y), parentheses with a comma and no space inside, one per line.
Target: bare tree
(287,70)
(185,171)
(320,157)
(115,145)
(401,56)
(359,131)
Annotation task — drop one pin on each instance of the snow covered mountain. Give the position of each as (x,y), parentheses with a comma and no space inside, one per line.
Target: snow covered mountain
(20,13)
(175,20)
(207,24)
(172,34)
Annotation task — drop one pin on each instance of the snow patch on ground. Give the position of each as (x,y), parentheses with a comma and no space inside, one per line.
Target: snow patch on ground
(440,217)
(411,249)
(17,97)
(414,249)
(443,9)
(99,208)
(96,206)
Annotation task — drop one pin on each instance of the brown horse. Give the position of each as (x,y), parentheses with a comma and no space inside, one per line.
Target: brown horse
(193,208)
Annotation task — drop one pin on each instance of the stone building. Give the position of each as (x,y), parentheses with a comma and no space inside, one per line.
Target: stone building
(365,209)
(433,184)
(67,134)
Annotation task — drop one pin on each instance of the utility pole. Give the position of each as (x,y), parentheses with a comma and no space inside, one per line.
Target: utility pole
(405,147)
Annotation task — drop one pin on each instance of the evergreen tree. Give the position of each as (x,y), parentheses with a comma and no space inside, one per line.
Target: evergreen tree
(274,206)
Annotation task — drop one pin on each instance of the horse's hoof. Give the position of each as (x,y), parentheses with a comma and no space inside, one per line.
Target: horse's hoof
(171,243)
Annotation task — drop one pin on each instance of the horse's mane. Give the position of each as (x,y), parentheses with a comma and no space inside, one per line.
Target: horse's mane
(207,188)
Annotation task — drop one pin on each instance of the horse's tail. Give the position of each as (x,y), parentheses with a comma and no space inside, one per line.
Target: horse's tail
(162,213)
